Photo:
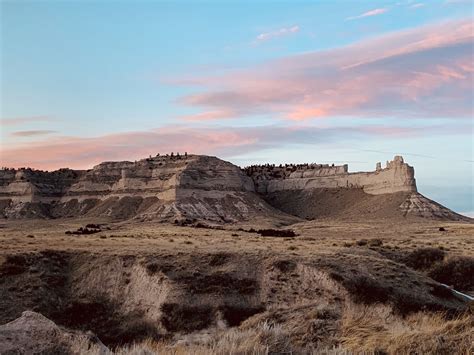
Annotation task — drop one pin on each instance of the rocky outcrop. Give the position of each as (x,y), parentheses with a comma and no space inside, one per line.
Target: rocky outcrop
(315,191)
(195,187)
(162,188)
(397,176)
(420,206)
(33,333)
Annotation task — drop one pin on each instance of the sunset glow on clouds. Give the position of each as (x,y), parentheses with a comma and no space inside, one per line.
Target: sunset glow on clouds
(252,82)
(425,72)
(83,153)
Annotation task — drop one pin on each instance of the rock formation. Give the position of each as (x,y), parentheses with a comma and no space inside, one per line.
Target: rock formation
(194,187)
(397,176)
(33,333)
(317,190)
(163,188)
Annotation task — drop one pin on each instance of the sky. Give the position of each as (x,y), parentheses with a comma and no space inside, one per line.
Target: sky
(250,81)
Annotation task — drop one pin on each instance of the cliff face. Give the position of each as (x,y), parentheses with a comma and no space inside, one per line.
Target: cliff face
(201,187)
(179,187)
(323,191)
(396,177)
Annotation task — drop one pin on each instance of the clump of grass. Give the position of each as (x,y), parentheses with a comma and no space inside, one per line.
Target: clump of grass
(264,339)
(376,329)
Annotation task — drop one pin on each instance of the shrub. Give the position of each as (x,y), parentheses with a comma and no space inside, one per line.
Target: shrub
(365,289)
(424,258)
(375,242)
(85,230)
(183,318)
(457,271)
(285,265)
(284,233)
(14,265)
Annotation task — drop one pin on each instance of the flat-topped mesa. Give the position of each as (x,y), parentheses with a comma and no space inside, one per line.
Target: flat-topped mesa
(397,176)
(186,188)
(168,187)
(146,176)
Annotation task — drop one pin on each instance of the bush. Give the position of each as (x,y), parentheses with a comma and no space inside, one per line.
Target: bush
(276,233)
(424,258)
(457,271)
(375,242)
(365,289)
(183,318)
(85,230)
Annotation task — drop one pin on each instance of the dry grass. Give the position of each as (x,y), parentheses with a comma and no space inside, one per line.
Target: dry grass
(262,340)
(355,328)
(376,329)
(364,330)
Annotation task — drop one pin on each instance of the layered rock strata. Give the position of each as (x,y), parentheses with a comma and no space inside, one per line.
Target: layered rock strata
(161,187)
(195,187)
(397,176)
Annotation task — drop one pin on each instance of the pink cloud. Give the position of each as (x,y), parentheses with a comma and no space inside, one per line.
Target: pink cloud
(210,115)
(83,153)
(421,72)
(302,113)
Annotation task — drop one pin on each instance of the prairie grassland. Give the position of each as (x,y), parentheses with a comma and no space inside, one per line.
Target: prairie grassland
(335,288)
(364,330)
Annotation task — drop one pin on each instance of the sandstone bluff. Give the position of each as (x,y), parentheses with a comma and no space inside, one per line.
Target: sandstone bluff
(196,187)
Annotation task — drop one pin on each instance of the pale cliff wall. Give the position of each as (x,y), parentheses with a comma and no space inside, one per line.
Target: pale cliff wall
(201,187)
(162,187)
(163,177)
(397,176)
(148,177)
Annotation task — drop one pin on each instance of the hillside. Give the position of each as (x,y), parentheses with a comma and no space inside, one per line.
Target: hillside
(355,204)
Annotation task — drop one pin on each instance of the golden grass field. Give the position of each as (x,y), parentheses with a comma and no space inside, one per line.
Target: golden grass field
(338,287)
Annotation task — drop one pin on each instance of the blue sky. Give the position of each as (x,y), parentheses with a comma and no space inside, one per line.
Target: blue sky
(354,81)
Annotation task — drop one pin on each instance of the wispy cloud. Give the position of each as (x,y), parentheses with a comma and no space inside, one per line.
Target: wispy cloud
(32,133)
(284,31)
(370,13)
(416,6)
(421,72)
(82,153)
(24,120)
